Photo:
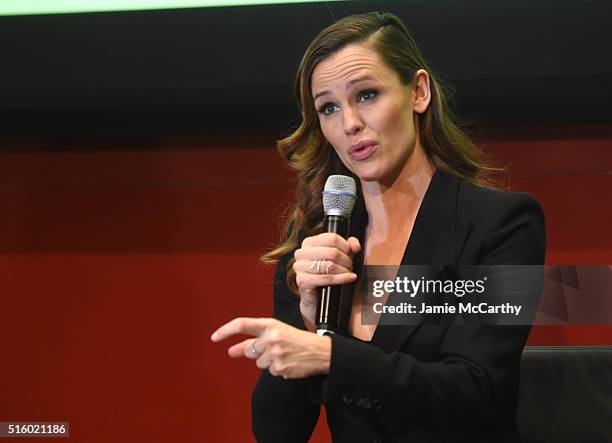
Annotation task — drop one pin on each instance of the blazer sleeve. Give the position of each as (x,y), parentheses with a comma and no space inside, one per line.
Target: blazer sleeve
(282,410)
(478,365)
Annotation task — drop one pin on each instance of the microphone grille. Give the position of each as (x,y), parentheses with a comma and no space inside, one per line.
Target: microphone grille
(339,195)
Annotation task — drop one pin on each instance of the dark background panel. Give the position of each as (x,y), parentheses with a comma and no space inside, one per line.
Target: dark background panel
(512,62)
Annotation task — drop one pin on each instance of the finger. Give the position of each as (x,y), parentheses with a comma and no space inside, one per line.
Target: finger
(325,267)
(242,325)
(354,244)
(323,253)
(329,239)
(244,349)
(264,361)
(315,280)
(319,267)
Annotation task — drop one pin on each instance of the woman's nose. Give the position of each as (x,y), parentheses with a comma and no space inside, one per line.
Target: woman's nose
(352,120)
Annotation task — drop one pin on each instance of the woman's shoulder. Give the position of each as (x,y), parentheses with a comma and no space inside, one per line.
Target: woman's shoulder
(509,226)
(489,205)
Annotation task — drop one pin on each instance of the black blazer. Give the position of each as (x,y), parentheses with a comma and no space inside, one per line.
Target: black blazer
(418,383)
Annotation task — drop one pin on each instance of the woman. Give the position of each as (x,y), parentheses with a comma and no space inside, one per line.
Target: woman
(372,109)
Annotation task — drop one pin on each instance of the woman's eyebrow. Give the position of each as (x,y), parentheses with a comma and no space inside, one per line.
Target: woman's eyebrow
(348,85)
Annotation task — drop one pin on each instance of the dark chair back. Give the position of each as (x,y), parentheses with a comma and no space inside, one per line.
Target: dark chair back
(565,394)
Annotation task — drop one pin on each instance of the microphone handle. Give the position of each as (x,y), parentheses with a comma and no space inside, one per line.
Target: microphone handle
(327,317)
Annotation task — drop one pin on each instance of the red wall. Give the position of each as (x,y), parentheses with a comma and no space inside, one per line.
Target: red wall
(116,264)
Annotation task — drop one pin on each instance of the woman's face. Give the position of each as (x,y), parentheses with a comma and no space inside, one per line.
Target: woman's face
(366,113)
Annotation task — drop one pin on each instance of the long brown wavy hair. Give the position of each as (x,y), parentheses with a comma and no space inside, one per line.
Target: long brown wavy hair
(308,153)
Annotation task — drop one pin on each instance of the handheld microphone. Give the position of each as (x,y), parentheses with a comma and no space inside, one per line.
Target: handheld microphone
(339,196)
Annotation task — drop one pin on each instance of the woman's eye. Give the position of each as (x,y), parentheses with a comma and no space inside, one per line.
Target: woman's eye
(327,108)
(367,95)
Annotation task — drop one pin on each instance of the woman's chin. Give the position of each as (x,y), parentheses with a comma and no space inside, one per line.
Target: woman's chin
(369,175)
(368,178)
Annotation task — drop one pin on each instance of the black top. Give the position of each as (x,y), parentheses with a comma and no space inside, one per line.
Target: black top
(423,383)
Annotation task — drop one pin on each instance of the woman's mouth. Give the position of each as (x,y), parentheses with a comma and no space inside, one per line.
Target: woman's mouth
(362,150)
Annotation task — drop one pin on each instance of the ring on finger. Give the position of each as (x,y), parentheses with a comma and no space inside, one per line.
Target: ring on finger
(328,267)
(324,266)
(252,350)
(316,266)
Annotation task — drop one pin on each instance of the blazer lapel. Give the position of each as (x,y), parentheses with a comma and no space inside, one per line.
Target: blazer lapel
(432,242)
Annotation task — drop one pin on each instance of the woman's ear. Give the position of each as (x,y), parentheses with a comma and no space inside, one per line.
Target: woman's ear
(421,91)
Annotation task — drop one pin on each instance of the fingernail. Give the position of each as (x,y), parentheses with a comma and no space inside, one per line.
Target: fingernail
(214,336)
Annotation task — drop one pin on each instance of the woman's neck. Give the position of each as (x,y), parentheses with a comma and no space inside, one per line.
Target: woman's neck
(389,204)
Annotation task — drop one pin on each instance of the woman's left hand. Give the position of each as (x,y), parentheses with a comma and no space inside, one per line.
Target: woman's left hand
(285,351)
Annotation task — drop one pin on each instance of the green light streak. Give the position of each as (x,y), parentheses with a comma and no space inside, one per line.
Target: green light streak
(37,7)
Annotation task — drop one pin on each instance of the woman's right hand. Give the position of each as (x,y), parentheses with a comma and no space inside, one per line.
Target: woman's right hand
(323,260)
